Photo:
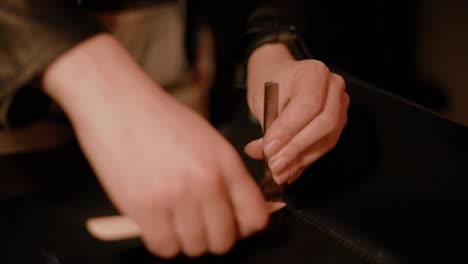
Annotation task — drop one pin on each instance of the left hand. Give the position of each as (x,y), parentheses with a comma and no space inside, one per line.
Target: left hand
(312,108)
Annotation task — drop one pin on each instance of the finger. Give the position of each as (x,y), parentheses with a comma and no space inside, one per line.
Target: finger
(305,104)
(310,158)
(158,234)
(113,228)
(325,123)
(190,226)
(322,147)
(246,198)
(295,175)
(315,151)
(219,218)
(295,167)
(119,227)
(255,149)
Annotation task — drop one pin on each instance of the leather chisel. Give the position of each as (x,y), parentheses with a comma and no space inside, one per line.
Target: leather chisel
(272,191)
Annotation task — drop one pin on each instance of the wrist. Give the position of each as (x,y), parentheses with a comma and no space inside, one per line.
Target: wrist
(94,72)
(267,54)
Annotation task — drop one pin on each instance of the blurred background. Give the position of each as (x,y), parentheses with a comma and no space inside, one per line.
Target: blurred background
(443,52)
(415,49)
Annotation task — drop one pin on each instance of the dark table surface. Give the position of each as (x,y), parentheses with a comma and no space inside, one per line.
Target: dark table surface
(394,190)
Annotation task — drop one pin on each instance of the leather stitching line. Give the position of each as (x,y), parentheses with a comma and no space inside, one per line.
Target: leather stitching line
(359,251)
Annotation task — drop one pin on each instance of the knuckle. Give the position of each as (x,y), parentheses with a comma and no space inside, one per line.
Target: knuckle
(223,240)
(284,131)
(279,131)
(210,186)
(223,247)
(260,222)
(311,102)
(320,67)
(332,141)
(296,167)
(316,66)
(293,173)
(257,221)
(347,100)
(332,144)
(167,249)
(345,121)
(328,123)
(340,81)
(300,163)
(195,251)
(298,149)
(294,150)
(168,254)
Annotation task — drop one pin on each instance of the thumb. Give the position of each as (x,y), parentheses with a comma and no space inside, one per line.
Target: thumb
(255,149)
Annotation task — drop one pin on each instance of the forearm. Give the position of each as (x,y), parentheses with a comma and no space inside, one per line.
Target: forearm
(95,71)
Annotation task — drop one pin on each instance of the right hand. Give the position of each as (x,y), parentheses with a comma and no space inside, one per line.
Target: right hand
(161,164)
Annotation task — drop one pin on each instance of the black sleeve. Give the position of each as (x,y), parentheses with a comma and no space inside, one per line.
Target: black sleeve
(269,15)
(271,21)
(32,34)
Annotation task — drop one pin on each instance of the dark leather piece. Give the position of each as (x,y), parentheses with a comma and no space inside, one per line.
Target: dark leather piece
(393,191)
(398,176)
(396,182)
(54,172)
(38,229)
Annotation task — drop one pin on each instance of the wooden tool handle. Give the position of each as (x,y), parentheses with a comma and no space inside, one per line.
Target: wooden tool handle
(272,191)
(118,227)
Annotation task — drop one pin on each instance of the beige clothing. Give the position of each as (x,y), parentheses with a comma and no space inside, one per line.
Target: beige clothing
(154,36)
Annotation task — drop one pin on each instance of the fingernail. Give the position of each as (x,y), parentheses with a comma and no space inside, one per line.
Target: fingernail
(295,175)
(272,147)
(289,180)
(277,180)
(279,164)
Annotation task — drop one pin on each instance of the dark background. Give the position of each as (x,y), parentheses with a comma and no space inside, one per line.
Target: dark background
(412,202)
(416,49)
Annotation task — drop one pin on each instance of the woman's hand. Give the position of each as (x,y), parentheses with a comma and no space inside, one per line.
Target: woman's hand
(313,108)
(161,164)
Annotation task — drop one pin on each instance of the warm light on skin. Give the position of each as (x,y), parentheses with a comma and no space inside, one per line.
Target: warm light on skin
(117,227)
(135,134)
